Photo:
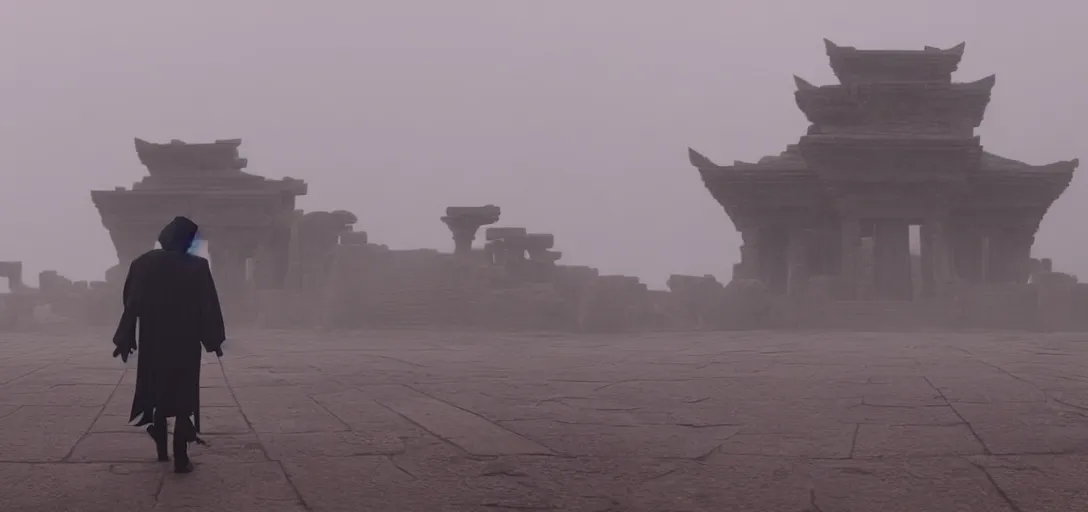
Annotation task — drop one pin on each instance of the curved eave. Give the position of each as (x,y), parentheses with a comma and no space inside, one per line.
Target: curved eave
(1027,187)
(153,155)
(839,104)
(850,63)
(750,192)
(746,172)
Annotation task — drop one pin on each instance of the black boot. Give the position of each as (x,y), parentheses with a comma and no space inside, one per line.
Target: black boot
(158,433)
(183,434)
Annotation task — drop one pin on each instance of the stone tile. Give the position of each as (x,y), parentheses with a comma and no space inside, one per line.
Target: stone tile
(254,506)
(639,422)
(217,397)
(997,388)
(134,446)
(377,484)
(900,415)
(120,402)
(597,440)
(229,486)
(1025,428)
(78,487)
(7,409)
(39,434)
(733,483)
(462,428)
(222,420)
(903,485)
(331,444)
(214,380)
(915,440)
(246,378)
(358,409)
(822,444)
(285,410)
(1042,483)
(62,374)
(128,379)
(913,391)
(381,485)
(9,373)
(785,415)
(61,395)
(228,448)
(113,423)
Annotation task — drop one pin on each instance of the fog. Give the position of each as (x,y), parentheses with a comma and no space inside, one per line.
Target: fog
(574,117)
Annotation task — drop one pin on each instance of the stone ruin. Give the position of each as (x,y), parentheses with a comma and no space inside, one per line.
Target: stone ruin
(279,266)
(826,229)
(826,223)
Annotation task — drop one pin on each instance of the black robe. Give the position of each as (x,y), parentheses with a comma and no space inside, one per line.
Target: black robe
(170,295)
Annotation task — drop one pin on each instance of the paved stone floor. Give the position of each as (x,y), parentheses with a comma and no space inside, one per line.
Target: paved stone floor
(431,421)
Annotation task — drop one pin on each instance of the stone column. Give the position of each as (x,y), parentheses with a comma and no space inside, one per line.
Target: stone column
(797,262)
(891,259)
(850,256)
(965,253)
(936,255)
(228,265)
(1008,255)
(928,281)
(1022,241)
(749,255)
(272,259)
(465,221)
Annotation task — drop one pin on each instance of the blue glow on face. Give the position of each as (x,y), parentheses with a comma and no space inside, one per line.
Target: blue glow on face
(195,247)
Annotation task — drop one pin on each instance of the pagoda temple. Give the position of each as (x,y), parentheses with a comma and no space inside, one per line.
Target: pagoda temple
(891,146)
(241,215)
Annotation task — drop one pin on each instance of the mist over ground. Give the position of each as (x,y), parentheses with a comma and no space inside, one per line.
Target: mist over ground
(574,117)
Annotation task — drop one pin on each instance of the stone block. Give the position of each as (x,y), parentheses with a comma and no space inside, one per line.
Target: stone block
(499,233)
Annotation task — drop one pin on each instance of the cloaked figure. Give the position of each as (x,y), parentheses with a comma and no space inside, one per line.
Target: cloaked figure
(170,299)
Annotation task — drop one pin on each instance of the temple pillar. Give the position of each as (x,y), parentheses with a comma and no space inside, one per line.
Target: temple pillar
(1020,254)
(463,236)
(1008,255)
(967,251)
(891,259)
(465,221)
(928,278)
(774,248)
(797,265)
(228,263)
(272,259)
(850,256)
(748,268)
(937,268)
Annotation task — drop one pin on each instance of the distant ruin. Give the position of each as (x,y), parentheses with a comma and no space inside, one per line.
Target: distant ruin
(826,228)
(889,147)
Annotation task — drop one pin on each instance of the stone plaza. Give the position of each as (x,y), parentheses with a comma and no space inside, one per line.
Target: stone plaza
(359,377)
(463,421)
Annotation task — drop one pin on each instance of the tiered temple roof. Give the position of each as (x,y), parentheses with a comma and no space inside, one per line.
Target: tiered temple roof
(895,127)
(204,180)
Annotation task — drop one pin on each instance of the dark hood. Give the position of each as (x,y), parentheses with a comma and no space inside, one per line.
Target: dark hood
(178,235)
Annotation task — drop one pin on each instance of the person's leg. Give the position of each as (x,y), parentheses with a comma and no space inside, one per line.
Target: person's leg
(157,431)
(184,433)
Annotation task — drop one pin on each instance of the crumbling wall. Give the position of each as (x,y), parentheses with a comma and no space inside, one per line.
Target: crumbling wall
(1063,306)
(998,306)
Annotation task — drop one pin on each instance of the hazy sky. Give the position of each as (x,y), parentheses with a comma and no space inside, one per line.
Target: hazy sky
(573,116)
